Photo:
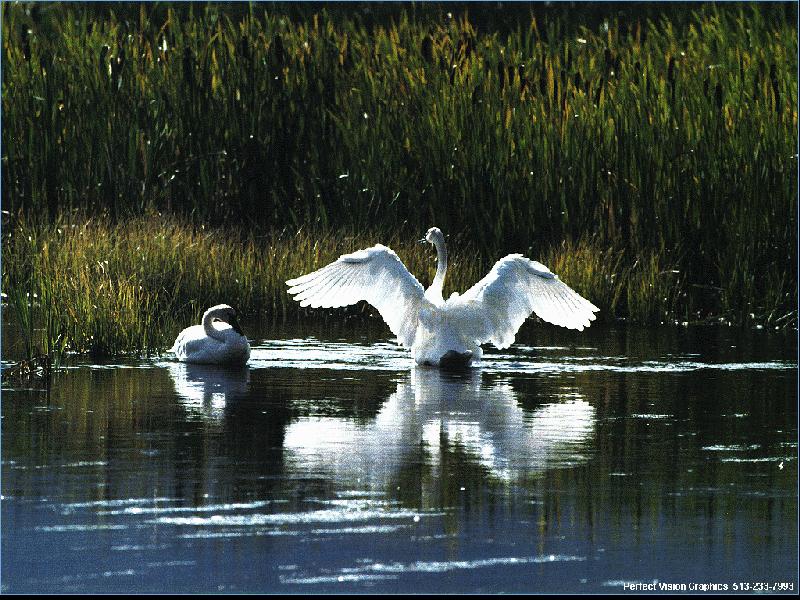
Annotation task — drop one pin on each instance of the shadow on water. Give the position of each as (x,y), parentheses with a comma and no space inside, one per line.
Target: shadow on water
(331,464)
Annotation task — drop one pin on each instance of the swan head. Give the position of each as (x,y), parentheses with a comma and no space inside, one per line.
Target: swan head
(434,236)
(225,313)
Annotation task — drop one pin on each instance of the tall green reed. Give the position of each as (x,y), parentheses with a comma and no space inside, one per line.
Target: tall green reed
(672,138)
(104,288)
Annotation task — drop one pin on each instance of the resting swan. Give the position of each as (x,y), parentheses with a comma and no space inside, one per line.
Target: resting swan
(445,332)
(210,345)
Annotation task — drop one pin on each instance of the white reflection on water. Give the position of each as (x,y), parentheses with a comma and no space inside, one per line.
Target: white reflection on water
(311,353)
(437,411)
(204,390)
(363,573)
(336,515)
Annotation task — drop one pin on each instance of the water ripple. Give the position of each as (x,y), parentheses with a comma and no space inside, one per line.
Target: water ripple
(140,510)
(312,353)
(315,516)
(63,528)
(367,572)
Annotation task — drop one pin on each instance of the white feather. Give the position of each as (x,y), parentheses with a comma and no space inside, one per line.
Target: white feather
(376,275)
(497,306)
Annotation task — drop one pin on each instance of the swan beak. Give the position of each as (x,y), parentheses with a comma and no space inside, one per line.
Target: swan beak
(235,324)
(422,241)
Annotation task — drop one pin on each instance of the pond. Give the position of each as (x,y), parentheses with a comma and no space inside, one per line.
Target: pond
(572,462)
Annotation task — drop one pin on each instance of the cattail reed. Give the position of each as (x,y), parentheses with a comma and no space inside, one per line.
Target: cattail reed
(26,43)
(427,49)
(188,67)
(773,77)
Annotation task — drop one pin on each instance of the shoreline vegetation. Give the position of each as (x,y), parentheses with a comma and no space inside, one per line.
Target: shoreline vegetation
(158,158)
(94,287)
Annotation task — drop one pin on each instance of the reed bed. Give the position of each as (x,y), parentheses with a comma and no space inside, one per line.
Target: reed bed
(657,152)
(103,288)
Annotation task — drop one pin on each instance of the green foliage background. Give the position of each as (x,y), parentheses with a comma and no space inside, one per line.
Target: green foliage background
(657,140)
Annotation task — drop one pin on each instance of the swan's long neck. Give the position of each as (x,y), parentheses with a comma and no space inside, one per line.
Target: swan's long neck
(208,326)
(441,268)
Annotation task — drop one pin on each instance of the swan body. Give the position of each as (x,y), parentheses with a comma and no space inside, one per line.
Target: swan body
(217,341)
(445,332)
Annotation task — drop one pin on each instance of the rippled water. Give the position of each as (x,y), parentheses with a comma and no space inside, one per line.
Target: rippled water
(571,462)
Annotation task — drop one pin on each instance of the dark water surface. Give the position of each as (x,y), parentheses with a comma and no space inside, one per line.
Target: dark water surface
(571,462)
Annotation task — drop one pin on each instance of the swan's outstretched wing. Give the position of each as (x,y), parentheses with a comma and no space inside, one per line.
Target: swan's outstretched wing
(376,275)
(495,308)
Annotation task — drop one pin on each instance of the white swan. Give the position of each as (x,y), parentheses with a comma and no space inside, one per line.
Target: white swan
(211,345)
(445,332)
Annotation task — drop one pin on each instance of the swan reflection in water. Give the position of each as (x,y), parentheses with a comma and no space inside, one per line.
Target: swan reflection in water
(440,412)
(205,390)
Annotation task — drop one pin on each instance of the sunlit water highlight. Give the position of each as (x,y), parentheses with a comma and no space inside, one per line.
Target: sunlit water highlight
(295,353)
(573,463)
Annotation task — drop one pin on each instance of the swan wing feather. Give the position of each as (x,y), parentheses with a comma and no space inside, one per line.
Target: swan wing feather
(376,275)
(495,308)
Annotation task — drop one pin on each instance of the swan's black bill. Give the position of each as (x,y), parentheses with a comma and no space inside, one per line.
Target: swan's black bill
(235,324)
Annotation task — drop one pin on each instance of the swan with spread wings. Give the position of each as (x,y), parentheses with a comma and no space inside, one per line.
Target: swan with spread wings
(445,332)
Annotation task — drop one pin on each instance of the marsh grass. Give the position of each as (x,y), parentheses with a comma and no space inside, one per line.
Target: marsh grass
(101,288)
(656,157)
